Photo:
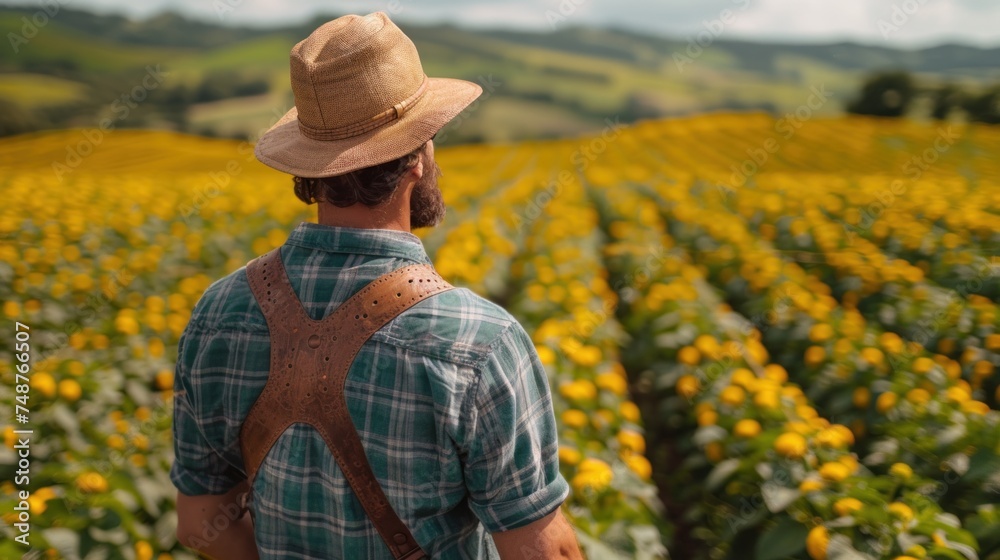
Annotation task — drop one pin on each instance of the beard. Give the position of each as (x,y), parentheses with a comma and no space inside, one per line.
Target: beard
(427,207)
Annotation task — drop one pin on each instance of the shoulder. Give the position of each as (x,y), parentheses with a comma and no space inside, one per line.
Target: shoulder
(458,325)
(227,302)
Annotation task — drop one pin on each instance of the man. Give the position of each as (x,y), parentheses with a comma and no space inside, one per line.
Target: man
(456,452)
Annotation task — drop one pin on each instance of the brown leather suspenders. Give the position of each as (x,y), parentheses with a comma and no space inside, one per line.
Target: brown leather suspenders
(309,364)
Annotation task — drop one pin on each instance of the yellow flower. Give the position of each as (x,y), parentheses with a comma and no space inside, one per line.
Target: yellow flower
(885,401)
(715,452)
(689,355)
(36,503)
(632,441)
(834,472)
(767,399)
(586,356)
(976,407)
(569,456)
(613,383)
(629,411)
(575,419)
(116,441)
(811,485)
(143,551)
(743,377)
(11,309)
(70,390)
(901,510)
(861,397)
(156,347)
(835,437)
(982,368)
(806,412)
(640,466)
(816,542)
(707,418)
(732,395)
(847,506)
(164,379)
(126,323)
(747,428)
(44,383)
(872,355)
(546,355)
(91,483)
(891,342)
(775,373)
(922,364)
(592,473)
(916,551)
(918,396)
(815,355)
(687,386)
(820,332)
(992,341)
(579,390)
(791,445)
(76,367)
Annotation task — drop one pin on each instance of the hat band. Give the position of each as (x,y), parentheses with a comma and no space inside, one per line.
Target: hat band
(358,128)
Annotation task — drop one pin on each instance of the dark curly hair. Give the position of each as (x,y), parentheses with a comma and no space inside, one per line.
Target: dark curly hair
(370,186)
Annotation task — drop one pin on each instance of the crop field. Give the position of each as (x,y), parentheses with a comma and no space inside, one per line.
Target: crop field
(765,339)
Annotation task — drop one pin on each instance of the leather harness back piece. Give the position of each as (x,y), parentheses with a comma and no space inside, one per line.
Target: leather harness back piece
(309,364)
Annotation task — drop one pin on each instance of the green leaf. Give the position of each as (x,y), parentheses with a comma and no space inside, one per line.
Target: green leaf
(66,541)
(778,497)
(787,538)
(720,473)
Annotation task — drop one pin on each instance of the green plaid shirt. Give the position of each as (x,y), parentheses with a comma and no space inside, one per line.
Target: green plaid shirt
(449,398)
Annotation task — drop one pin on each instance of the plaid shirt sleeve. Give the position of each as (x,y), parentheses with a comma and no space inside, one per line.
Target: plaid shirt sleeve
(198,468)
(510,440)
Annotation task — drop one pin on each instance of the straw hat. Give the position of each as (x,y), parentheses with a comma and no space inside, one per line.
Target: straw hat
(361,98)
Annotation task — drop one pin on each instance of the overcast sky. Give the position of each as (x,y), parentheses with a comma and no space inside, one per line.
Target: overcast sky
(905,23)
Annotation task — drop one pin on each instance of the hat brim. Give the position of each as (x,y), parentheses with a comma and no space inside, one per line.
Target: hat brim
(284,148)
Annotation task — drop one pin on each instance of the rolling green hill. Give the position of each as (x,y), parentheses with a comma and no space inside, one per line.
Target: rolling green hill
(232,81)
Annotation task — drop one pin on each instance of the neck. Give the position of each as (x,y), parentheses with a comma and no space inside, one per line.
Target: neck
(393,214)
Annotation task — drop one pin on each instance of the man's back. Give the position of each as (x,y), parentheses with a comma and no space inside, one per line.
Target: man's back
(449,399)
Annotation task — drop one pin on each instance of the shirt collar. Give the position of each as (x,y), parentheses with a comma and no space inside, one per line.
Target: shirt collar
(375,242)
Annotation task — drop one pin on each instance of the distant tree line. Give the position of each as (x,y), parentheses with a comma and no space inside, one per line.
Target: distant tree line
(895,94)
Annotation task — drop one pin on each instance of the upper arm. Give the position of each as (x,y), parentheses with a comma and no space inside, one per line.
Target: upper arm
(197,468)
(549,537)
(511,447)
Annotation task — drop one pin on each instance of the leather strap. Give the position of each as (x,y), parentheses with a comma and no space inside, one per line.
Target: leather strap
(309,365)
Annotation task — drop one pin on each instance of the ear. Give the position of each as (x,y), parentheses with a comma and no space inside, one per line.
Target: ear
(417,171)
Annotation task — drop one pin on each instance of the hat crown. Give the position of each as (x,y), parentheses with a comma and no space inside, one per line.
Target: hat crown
(351,71)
